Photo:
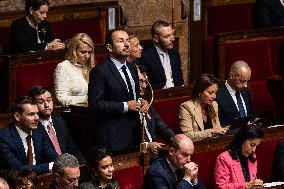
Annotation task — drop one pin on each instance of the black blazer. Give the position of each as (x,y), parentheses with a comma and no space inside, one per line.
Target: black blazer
(64,138)
(227,108)
(268,13)
(24,37)
(114,129)
(157,127)
(151,60)
(278,163)
(12,152)
(160,176)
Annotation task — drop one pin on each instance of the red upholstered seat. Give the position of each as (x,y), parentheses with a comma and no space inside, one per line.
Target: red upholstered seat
(34,74)
(276,46)
(168,110)
(129,178)
(67,29)
(238,17)
(255,52)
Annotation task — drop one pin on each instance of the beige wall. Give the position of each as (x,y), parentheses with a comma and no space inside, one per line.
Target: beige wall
(140,14)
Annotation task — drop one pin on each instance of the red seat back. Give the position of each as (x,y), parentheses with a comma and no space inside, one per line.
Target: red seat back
(168,110)
(129,178)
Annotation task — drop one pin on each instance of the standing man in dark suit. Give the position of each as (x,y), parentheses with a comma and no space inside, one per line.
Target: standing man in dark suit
(54,126)
(268,13)
(175,170)
(22,145)
(234,98)
(162,62)
(113,93)
(154,126)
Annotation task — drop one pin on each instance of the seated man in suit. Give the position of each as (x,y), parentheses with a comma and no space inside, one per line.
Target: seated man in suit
(66,172)
(113,94)
(154,126)
(234,98)
(175,170)
(268,13)
(22,145)
(162,62)
(54,126)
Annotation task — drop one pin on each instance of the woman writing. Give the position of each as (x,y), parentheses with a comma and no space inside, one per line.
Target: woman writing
(71,76)
(237,167)
(32,32)
(198,117)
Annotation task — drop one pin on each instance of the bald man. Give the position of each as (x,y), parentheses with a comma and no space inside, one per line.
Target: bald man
(175,170)
(234,98)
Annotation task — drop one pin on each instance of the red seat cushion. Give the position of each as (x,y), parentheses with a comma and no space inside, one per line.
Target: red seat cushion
(129,178)
(238,17)
(34,74)
(255,53)
(168,110)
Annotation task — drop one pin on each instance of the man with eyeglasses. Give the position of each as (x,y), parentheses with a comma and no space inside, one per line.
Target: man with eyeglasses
(54,126)
(161,60)
(234,98)
(66,172)
(153,125)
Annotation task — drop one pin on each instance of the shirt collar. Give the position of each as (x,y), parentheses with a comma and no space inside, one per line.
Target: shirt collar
(44,122)
(22,134)
(230,89)
(160,51)
(117,64)
(173,168)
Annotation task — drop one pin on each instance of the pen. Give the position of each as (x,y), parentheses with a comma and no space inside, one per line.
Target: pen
(254,176)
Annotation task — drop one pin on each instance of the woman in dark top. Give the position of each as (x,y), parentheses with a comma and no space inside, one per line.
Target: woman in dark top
(237,167)
(101,169)
(31,32)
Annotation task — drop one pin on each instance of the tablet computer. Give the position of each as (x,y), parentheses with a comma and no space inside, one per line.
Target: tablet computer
(238,123)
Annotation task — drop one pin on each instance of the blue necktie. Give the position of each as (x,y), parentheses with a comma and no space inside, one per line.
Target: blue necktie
(130,90)
(240,104)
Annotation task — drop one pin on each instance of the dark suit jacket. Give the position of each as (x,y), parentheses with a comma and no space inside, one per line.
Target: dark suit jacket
(227,108)
(24,37)
(157,127)
(160,176)
(114,129)
(151,60)
(64,138)
(278,163)
(12,152)
(268,13)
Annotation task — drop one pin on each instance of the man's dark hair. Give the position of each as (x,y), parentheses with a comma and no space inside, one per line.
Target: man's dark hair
(247,132)
(157,25)
(108,38)
(37,90)
(95,155)
(35,4)
(205,81)
(18,104)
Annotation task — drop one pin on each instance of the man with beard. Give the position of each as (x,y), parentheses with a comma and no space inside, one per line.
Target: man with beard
(162,62)
(54,126)
(113,94)
(66,172)
(22,145)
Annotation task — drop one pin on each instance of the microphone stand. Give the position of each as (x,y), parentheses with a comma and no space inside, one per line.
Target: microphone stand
(143,144)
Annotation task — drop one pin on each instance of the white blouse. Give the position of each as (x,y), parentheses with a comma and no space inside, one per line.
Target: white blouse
(69,84)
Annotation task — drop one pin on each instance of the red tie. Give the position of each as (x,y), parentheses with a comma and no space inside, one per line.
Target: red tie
(30,150)
(53,138)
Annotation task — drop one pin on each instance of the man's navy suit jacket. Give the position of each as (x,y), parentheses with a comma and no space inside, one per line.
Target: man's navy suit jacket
(116,130)
(151,60)
(64,138)
(268,13)
(157,127)
(12,152)
(228,111)
(160,176)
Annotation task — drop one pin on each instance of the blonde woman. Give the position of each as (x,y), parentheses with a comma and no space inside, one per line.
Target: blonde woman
(71,77)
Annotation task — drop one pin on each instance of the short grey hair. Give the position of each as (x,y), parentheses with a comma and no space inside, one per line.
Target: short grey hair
(63,161)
